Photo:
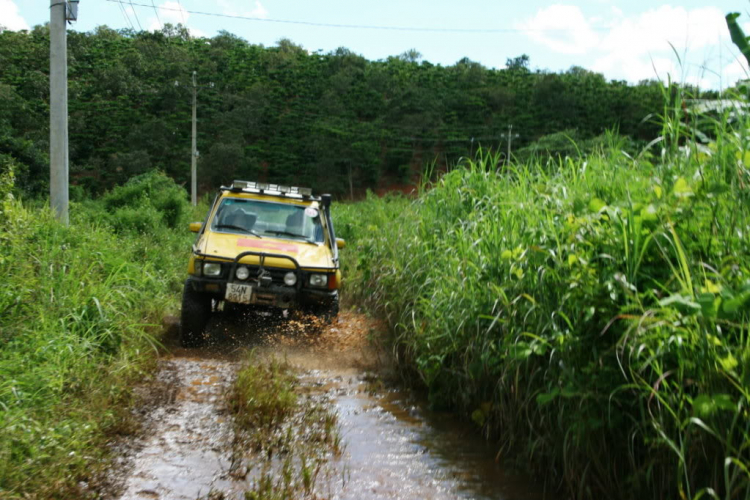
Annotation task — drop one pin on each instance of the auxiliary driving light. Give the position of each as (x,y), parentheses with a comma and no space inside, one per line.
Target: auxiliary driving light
(290,279)
(242,273)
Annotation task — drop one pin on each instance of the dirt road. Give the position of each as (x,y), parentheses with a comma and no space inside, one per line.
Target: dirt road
(393,446)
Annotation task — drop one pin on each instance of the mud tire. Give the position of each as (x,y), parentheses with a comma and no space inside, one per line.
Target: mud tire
(196,309)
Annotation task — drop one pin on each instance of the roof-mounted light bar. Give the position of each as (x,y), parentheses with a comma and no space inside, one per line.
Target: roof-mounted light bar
(277,188)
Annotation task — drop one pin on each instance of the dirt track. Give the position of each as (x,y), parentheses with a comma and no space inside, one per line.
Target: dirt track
(394,447)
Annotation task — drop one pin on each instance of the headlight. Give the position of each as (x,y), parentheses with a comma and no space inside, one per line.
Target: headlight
(211,269)
(242,273)
(318,280)
(290,279)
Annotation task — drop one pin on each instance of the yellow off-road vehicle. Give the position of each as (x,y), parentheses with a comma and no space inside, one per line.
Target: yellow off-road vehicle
(266,246)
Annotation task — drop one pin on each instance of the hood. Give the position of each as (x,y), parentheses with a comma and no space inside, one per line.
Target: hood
(230,245)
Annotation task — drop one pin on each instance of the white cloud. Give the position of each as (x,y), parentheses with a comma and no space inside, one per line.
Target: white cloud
(562,28)
(736,70)
(230,8)
(656,43)
(648,45)
(634,68)
(259,11)
(10,18)
(656,29)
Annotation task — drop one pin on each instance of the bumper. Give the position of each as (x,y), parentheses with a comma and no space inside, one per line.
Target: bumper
(267,290)
(282,297)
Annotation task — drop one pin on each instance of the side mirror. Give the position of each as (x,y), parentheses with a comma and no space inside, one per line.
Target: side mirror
(340,243)
(195,227)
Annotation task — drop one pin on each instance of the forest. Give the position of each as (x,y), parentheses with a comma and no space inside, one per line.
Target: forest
(334,121)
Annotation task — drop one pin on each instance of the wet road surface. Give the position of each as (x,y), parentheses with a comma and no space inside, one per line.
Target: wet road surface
(185,456)
(393,450)
(394,447)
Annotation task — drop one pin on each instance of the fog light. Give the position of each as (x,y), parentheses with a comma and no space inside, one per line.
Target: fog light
(290,279)
(242,273)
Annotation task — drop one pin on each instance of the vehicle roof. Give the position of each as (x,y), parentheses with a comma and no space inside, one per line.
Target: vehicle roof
(266,196)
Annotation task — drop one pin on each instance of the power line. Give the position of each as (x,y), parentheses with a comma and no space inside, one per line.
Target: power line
(357,26)
(136,16)
(125,14)
(182,13)
(156,11)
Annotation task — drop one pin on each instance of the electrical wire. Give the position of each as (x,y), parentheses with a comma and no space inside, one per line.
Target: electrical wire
(125,14)
(182,10)
(156,11)
(136,16)
(182,13)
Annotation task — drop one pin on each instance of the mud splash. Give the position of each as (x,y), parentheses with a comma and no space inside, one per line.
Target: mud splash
(393,446)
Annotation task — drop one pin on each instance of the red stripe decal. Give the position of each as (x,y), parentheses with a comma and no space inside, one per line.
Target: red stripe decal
(267,245)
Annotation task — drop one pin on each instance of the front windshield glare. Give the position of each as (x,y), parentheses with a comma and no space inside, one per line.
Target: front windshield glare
(268,219)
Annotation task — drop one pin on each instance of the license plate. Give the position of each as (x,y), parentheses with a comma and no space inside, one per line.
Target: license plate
(241,294)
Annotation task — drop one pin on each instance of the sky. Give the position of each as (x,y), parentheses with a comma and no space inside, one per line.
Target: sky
(625,40)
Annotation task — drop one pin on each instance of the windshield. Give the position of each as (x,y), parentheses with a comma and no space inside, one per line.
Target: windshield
(268,219)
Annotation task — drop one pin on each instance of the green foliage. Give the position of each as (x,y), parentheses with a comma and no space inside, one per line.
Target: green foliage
(77,307)
(146,202)
(569,143)
(592,315)
(7,185)
(738,35)
(336,121)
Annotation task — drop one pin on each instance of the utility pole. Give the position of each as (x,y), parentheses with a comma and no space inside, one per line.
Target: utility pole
(510,136)
(194,146)
(194,155)
(59,12)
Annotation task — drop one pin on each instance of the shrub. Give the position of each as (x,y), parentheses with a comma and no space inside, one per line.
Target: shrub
(153,194)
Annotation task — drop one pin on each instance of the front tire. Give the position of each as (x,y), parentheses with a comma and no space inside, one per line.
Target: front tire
(327,313)
(196,309)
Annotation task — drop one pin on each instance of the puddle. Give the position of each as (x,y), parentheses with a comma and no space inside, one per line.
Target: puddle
(186,456)
(393,446)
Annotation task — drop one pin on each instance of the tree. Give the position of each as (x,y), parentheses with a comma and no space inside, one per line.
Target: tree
(518,63)
(334,121)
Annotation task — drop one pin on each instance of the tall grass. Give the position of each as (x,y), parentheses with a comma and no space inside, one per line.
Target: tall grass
(591,315)
(80,308)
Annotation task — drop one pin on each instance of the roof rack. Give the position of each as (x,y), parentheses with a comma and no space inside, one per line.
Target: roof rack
(270,189)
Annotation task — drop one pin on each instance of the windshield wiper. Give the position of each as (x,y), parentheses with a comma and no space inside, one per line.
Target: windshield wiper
(232,226)
(296,235)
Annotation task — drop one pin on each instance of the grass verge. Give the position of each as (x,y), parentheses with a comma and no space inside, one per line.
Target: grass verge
(590,314)
(80,315)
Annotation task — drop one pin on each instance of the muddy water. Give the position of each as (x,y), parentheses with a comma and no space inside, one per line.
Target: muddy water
(185,455)
(394,447)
